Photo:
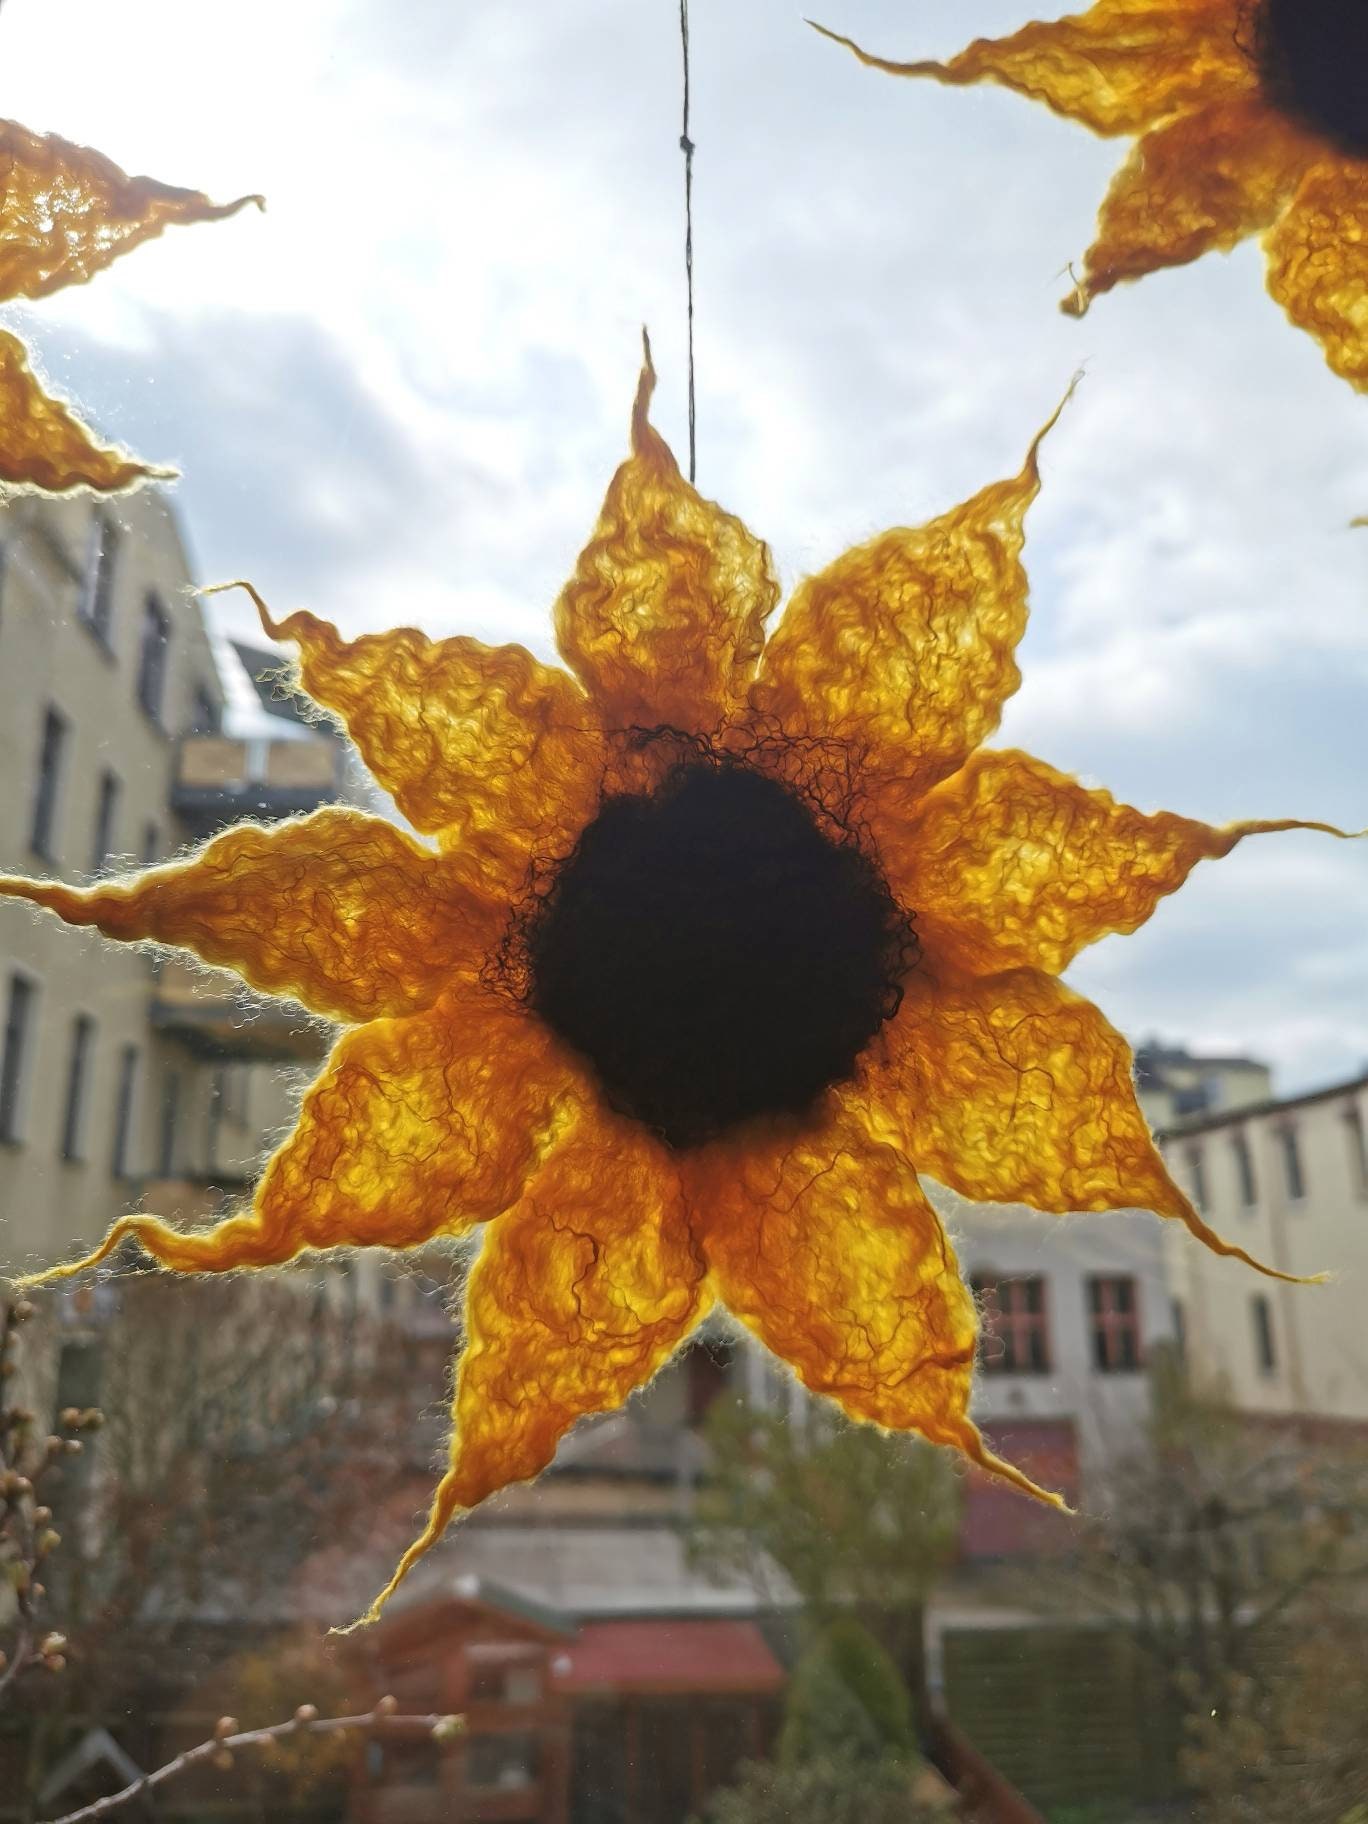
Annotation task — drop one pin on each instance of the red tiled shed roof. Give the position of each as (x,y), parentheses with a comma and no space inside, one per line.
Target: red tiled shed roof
(669,1656)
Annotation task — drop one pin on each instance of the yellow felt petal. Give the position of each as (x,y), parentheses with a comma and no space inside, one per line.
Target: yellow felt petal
(417,1128)
(1011,864)
(1118,67)
(1199,183)
(342,911)
(826,1248)
(1012,1089)
(578,1296)
(664,617)
(484,745)
(903,650)
(66,212)
(1318,263)
(44,447)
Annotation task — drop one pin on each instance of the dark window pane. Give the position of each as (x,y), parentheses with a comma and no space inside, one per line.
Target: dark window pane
(123,1110)
(1265,1353)
(14,1057)
(96,606)
(78,1078)
(51,756)
(156,635)
(106,811)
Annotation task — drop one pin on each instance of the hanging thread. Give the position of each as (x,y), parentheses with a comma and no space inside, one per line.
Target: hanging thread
(686,146)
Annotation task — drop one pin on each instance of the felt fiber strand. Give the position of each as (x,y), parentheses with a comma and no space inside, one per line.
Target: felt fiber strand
(45,447)
(417,1128)
(67,212)
(664,618)
(1248,120)
(1012,864)
(578,1296)
(339,910)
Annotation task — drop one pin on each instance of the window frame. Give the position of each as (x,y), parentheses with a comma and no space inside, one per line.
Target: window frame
(1109,1324)
(125,1101)
(1294,1166)
(1356,1138)
(154,659)
(45,810)
(1024,1334)
(95,600)
(18,1045)
(1245,1172)
(108,794)
(1265,1338)
(76,1095)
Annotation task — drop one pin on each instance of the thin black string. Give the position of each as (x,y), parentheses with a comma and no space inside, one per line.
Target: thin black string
(686,146)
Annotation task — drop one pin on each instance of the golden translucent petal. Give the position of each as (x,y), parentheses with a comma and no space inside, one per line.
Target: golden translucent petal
(1318,263)
(1009,864)
(1118,67)
(417,1128)
(903,650)
(1012,1089)
(579,1295)
(664,617)
(1202,182)
(827,1249)
(342,911)
(67,212)
(44,447)
(483,745)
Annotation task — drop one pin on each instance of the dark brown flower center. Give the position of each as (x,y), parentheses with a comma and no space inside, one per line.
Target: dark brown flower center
(715,952)
(1313,58)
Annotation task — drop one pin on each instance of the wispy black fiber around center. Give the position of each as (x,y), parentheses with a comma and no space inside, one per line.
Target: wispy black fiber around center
(716,951)
(1313,56)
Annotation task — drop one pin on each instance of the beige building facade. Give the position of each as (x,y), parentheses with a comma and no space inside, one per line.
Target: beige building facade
(1288,1180)
(126,1081)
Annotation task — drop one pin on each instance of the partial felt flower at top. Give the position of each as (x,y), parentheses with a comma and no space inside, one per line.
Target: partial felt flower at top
(1250,117)
(710,944)
(66,212)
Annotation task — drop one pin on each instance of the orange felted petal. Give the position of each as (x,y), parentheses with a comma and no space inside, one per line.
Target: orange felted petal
(1012,1089)
(341,911)
(664,617)
(417,1128)
(579,1295)
(1199,183)
(1118,67)
(482,745)
(825,1246)
(1318,263)
(1011,864)
(44,446)
(66,212)
(903,650)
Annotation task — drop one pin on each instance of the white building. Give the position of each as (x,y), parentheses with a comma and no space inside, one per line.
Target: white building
(1288,1180)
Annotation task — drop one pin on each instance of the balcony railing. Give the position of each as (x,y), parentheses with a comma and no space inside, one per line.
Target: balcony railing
(214,1019)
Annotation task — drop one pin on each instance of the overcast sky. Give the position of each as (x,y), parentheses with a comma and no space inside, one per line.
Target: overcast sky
(399,394)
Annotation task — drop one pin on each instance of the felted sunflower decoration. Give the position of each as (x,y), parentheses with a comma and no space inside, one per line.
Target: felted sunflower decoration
(1250,116)
(66,213)
(721,942)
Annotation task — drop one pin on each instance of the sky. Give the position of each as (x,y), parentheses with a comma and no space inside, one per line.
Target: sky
(400,393)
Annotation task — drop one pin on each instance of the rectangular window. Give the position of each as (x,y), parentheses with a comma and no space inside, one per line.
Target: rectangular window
(170,1125)
(152,651)
(213,1126)
(1292,1163)
(151,844)
(1114,1318)
(204,713)
(1265,1353)
(1015,1325)
(96,606)
(106,813)
(1358,1149)
(123,1110)
(1244,1168)
(77,1085)
(14,1057)
(1197,1176)
(51,760)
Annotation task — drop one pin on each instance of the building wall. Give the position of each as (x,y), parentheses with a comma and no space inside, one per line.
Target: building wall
(1003,1242)
(1314,1335)
(183,1109)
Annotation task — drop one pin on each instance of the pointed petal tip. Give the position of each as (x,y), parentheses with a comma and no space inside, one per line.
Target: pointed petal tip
(277,630)
(641,407)
(972,1442)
